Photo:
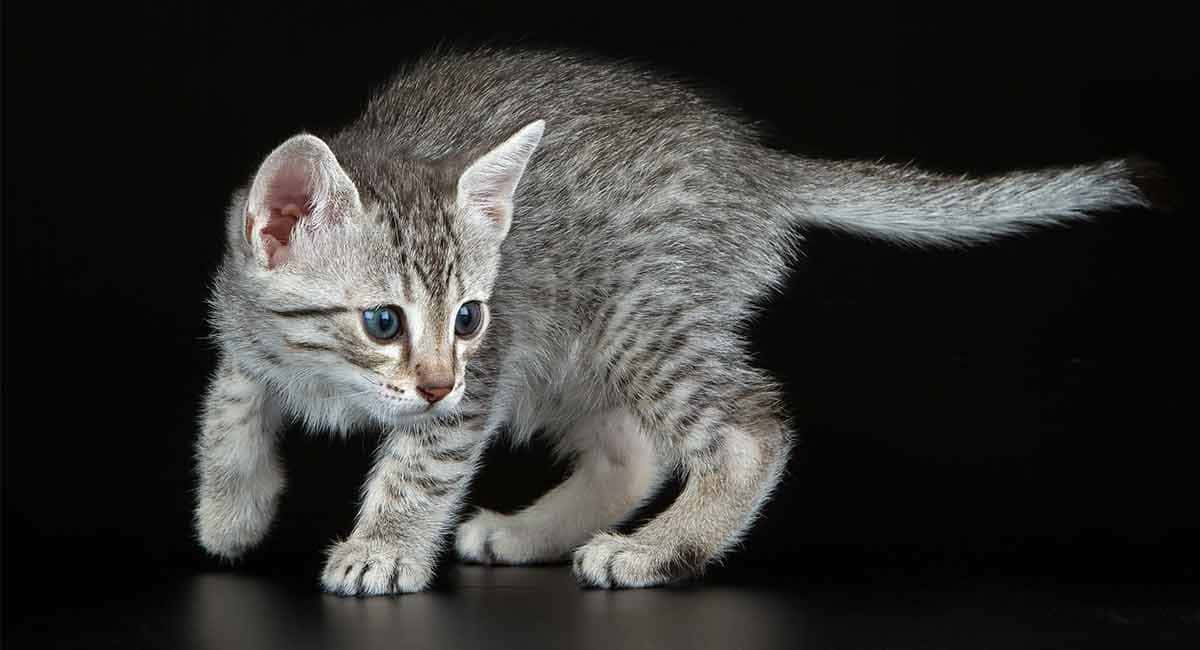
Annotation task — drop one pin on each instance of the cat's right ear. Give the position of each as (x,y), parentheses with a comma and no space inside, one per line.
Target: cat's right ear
(300,184)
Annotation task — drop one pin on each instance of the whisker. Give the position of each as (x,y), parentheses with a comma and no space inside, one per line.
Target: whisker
(324,398)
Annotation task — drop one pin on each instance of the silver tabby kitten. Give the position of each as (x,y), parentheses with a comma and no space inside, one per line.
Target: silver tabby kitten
(541,242)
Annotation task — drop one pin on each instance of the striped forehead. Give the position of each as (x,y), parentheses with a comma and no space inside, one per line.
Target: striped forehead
(429,252)
(416,209)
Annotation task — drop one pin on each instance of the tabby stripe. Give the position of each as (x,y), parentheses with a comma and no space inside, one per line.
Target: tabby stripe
(693,408)
(395,491)
(651,356)
(687,421)
(659,386)
(425,276)
(405,276)
(675,341)
(456,455)
(306,345)
(362,360)
(353,351)
(655,395)
(631,369)
(635,311)
(309,312)
(227,398)
(457,250)
(601,324)
(456,267)
(414,471)
(470,421)
(432,486)
(627,346)
(680,414)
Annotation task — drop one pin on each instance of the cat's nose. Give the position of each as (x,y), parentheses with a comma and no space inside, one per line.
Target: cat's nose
(433,393)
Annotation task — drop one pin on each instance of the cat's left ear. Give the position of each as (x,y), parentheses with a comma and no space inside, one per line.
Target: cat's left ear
(486,188)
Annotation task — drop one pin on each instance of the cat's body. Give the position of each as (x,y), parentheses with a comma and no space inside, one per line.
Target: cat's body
(614,252)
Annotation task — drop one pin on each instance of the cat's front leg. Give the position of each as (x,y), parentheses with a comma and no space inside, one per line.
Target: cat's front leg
(240,476)
(411,498)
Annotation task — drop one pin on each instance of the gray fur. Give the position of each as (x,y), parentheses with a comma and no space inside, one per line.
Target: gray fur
(647,223)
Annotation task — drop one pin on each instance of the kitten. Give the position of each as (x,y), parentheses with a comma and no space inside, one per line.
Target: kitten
(542,242)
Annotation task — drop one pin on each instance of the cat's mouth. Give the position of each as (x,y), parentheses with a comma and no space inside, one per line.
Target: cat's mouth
(410,408)
(403,404)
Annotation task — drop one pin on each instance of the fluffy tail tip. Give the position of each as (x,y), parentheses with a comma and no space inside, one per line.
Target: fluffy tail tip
(1154,183)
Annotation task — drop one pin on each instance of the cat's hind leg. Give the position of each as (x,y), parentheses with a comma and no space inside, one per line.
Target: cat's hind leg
(616,469)
(733,448)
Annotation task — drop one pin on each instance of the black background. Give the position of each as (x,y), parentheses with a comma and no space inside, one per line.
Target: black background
(1015,408)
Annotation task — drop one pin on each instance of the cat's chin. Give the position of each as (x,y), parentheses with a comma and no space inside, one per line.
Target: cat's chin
(391,416)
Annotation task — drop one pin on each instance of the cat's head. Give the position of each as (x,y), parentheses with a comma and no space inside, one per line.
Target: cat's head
(372,275)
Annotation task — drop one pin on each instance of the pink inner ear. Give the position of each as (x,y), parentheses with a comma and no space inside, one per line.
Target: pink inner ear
(280,224)
(277,234)
(285,196)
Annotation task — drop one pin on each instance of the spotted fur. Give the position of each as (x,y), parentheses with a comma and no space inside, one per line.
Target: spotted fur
(620,227)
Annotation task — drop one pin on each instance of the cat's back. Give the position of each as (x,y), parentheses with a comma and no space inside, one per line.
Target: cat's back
(455,101)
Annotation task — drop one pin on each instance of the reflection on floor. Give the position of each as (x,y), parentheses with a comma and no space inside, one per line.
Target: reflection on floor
(541,607)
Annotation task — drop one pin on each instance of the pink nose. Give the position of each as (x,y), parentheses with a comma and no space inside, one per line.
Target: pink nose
(434,393)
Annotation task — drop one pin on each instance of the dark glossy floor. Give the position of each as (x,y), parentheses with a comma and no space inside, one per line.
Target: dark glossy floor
(541,607)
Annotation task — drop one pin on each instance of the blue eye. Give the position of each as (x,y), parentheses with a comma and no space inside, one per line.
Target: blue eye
(470,317)
(382,323)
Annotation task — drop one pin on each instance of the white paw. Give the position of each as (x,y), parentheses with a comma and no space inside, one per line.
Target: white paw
(228,525)
(368,567)
(618,561)
(492,538)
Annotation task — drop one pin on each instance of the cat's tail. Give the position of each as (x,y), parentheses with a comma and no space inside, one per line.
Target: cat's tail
(909,205)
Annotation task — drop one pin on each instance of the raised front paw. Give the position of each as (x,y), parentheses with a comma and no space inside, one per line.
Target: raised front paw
(372,567)
(618,561)
(228,524)
(492,538)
